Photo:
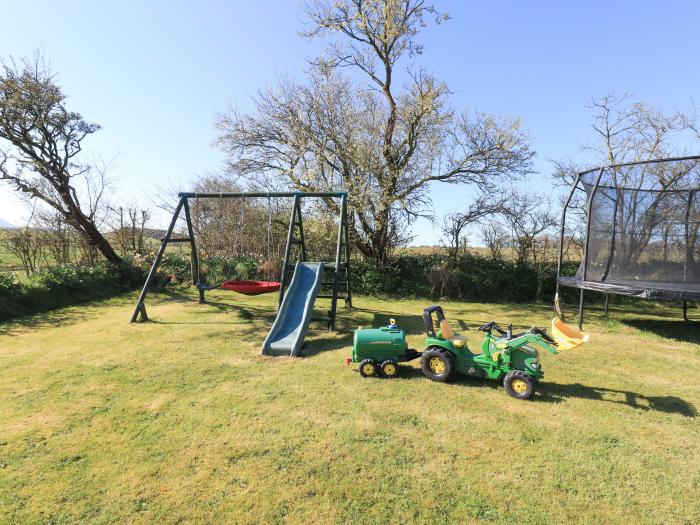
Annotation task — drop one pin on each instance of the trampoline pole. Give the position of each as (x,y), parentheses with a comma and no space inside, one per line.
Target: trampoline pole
(607,303)
(587,243)
(685,310)
(562,232)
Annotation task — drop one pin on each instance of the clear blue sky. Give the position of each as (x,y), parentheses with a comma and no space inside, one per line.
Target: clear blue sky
(154,74)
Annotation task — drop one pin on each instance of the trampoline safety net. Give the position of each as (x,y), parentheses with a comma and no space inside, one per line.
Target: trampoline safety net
(644,234)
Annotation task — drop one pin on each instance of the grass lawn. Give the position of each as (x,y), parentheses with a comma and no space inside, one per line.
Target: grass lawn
(180,421)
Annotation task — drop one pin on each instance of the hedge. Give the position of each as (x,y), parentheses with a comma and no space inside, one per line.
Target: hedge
(470,278)
(63,286)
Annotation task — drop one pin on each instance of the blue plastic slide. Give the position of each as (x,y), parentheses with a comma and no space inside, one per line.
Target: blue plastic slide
(286,336)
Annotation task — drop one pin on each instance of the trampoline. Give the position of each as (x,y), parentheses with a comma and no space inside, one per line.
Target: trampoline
(642,231)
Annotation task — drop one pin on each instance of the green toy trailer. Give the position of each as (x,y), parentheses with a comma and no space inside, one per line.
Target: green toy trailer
(380,350)
(505,356)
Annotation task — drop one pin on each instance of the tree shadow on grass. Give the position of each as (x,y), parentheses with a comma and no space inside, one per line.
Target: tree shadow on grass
(242,311)
(557,393)
(249,314)
(684,331)
(51,318)
(344,334)
(166,295)
(326,345)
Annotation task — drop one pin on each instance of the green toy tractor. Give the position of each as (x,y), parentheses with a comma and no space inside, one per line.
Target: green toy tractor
(504,355)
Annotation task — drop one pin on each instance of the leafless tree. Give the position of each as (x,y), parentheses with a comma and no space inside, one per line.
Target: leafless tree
(26,244)
(382,145)
(495,237)
(40,143)
(527,220)
(454,224)
(251,227)
(626,131)
(129,227)
(60,240)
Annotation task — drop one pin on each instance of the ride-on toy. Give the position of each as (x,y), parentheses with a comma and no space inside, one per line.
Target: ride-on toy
(379,350)
(507,356)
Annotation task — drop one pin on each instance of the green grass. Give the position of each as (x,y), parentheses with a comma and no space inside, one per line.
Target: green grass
(9,261)
(180,421)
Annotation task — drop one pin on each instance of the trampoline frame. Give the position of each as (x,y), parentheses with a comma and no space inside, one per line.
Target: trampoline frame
(589,206)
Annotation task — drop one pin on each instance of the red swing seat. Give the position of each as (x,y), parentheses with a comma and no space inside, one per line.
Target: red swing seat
(251,287)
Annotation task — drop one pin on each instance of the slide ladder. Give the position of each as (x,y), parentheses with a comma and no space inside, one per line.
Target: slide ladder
(286,336)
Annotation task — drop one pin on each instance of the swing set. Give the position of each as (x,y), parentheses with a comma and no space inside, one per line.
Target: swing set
(339,282)
(244,286)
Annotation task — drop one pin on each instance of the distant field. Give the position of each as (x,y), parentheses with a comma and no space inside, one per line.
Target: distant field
(10,262)
(482,251)
(180,421)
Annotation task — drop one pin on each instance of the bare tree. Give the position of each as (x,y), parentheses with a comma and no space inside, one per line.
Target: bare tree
(26,244)
(454,224)
(40,145)
(128,227)
(629,131)
(382,145)
(59,238)
(496,238)
(626,131)
(527,220)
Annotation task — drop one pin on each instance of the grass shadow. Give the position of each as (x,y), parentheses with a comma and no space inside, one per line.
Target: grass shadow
(162,295)
(684,331)
(52,318)
(345,330)
(258,318)
(557,393)
(325,345)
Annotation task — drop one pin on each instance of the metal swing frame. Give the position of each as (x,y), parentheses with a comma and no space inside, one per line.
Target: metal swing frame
(340,268)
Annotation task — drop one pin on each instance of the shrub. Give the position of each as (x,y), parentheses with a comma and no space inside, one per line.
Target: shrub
(470,277)
(246,269)
(430,276)
(64,285)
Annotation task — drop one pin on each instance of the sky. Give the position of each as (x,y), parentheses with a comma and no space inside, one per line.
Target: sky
(156,74)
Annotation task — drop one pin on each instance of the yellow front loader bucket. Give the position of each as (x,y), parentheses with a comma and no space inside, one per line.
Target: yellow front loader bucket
(567,338)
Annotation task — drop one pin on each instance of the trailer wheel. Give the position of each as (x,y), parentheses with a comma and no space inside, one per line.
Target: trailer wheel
(518,385)
(437,364)
(368,368)
(389,369)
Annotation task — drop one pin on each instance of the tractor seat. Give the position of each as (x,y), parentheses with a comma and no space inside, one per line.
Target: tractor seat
(447,333)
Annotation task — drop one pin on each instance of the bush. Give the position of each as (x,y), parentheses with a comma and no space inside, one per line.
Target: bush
(64,285)
(218,269)
(173,268)
(471,277)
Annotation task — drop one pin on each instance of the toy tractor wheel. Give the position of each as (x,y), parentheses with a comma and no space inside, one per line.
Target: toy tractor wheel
(437,364)
(390,369)
(518,385)
(368,368)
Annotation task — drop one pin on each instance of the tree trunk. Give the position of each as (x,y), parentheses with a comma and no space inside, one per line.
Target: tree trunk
(94,237)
